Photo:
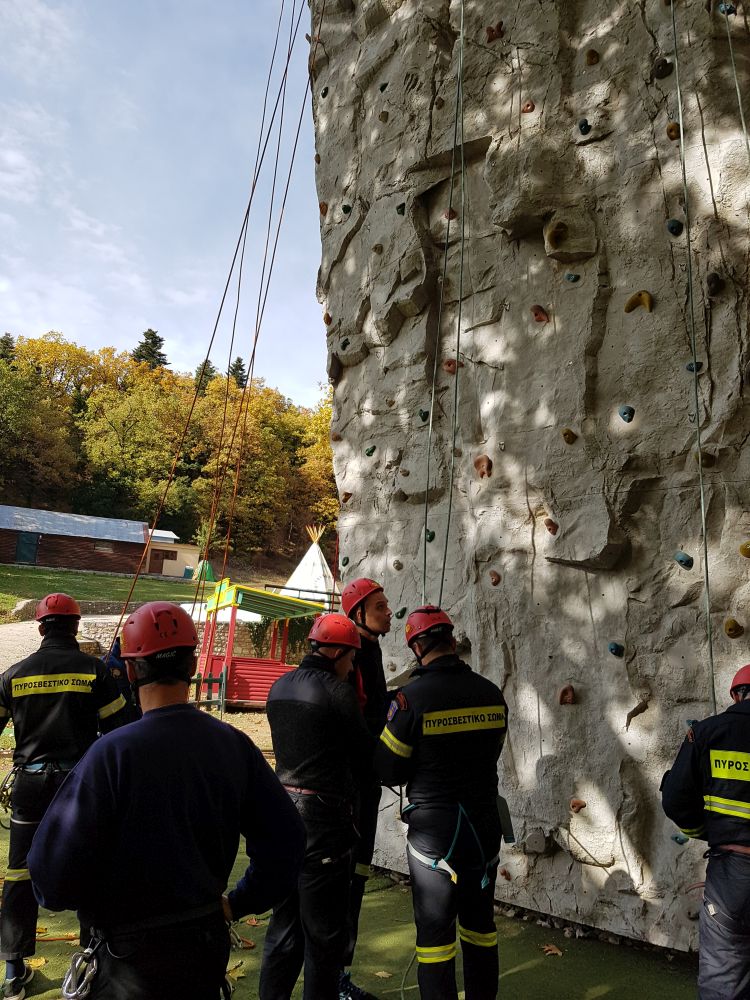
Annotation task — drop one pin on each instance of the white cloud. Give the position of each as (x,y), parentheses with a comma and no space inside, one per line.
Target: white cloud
(25,130)
(37,39)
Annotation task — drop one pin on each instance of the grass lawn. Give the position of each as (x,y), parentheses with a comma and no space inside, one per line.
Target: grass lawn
(18,582)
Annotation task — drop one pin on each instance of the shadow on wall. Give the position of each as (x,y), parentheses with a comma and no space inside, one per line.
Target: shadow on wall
(575,449)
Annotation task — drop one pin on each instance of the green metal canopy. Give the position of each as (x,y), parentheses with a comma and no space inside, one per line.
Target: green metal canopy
(260,602)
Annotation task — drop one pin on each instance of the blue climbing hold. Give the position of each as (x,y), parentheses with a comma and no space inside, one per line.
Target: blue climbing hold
(694,366)
(616,649)
(675,227)
(680,839)
(683,559)
(572,278)
(626,413)
(727,8)
(583,126)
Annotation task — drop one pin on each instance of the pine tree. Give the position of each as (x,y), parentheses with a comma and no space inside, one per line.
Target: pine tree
(149,350)
(205,371)
(238,372)
(7,347)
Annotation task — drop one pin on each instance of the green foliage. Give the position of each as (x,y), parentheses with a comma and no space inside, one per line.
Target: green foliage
(7,347)
(204,373)
(238,372)
(149,350)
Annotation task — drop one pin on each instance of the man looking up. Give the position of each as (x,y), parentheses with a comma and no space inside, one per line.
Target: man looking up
(323,750)
(59,700)
(365,603)
(142,837)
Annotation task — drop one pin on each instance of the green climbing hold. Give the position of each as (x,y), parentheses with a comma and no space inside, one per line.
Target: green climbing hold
(401,612)
(680,839)
(424,416)
(370,451)
(401,209)
(429,534)
(346,209)
(345,343)
(345,561)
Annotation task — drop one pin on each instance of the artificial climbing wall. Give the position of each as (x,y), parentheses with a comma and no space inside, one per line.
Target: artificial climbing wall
(574,564)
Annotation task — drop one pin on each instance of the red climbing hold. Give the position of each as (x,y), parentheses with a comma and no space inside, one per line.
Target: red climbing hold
(592,57)
(504,873)
(540,314)
(551,526)
(327,319)
(576,805)
(335,436)
(527,107)
(323,206)
(483,465)
(673,131)
(495,577)
(567,696)
(495,32)
(451,366)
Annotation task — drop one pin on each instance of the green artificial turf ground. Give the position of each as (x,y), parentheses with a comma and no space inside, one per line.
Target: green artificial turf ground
(587,970)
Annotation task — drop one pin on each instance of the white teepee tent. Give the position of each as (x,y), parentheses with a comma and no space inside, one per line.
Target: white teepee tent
(312,580)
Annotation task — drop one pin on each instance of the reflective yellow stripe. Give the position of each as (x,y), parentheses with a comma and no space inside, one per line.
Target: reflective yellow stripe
(463,720)
(728,807)
(114,706)
(364,870)
(52,684)
(4,713)
(440,953)
(17,875)
(396,746)
(695,832)
(730,764)
(488,940)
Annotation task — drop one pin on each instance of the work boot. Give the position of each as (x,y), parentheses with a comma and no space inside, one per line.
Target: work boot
(14,989)
(349,991)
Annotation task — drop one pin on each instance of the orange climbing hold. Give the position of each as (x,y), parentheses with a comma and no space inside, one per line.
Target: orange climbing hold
(317,157)
(576,805)
(552,526)
(641,298)
(745,550)
(483,465)
(495,577)
(527,107)
(540,314)
(569,436)
(451,366)
(327,319)
(592,57)
(335,436)
(673,131)
(567,695)
(323,206)
(346,497)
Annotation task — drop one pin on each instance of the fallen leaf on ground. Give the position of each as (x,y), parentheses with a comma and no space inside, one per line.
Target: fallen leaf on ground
(236,971)
(246,942)
(384,975)
(550,949)
(36,963)
(41,930)
(252,921)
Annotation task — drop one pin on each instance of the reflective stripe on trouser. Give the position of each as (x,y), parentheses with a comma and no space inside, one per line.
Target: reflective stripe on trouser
(724,971)
(31,795)
(438,904)
(367,824)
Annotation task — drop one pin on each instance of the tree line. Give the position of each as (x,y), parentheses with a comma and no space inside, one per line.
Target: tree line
(97,432)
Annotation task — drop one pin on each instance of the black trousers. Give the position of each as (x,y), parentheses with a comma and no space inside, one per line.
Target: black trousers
(30,797)
(440,902)
(367,825)
(724,957)
(184,962)
(309,928)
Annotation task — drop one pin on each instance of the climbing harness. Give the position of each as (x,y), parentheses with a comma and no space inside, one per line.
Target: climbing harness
(83,968)
(441,864)
(694,349)
(6,789)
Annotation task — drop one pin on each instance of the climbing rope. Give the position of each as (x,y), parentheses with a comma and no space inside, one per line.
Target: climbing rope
(695,365)
(458,118)
(727,8)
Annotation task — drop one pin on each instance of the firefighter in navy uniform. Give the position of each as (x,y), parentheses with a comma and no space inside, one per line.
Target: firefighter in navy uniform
(143,835)
(707,794)
(59,700)
(365,603)
(323,752)
(443,738)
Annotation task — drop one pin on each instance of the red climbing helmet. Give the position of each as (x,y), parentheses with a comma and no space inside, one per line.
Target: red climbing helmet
(156,627)
(741,678)
(427,620)
(57,606)
(356,592)
(335,630)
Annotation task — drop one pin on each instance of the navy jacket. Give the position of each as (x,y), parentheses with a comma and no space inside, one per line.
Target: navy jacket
(707,791)
(148,824)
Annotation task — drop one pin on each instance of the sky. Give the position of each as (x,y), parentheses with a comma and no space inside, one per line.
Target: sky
(128,137)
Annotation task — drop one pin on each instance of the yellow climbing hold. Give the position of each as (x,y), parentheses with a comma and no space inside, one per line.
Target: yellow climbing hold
(641,298)
(733,628)
(745,550)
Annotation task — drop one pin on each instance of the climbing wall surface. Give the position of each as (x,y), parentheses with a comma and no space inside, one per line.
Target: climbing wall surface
(574,562)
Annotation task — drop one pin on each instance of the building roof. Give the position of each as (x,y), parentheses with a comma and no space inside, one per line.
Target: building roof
(50,522)
(162,537)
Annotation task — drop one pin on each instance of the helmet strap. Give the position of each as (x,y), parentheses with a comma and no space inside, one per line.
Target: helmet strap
(331,645)
(360,620)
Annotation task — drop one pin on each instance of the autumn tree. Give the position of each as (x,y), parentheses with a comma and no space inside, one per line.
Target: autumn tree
(238,372)
(204,373)
(7,347)
(149,350)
